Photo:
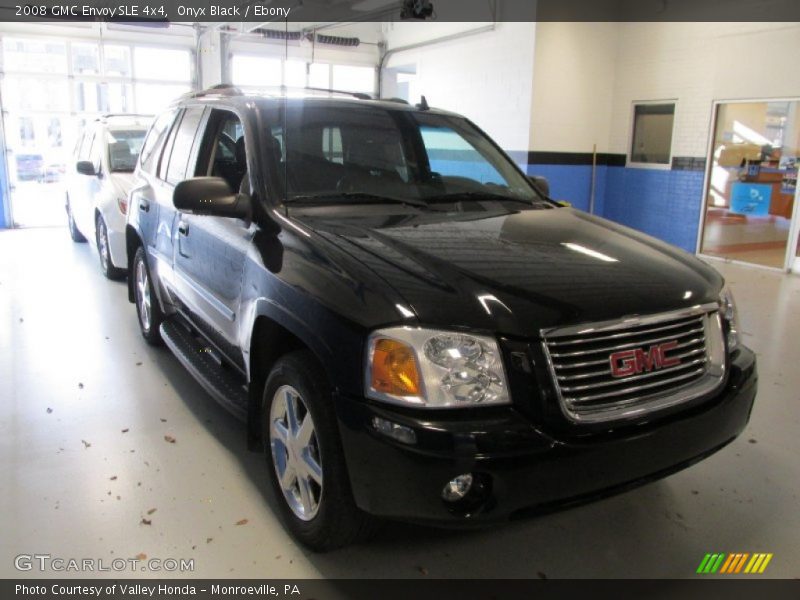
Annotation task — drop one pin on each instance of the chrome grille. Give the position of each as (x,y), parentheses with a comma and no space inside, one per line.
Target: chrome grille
(580,361)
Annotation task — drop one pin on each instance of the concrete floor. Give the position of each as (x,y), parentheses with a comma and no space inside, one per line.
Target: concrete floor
(85,405)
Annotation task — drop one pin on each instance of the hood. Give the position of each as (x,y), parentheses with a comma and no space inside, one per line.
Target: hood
(516,272)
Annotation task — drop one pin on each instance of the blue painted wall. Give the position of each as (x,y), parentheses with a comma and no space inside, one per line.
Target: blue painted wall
(663,203)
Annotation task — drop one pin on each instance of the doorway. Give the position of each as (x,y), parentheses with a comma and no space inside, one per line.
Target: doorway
(751,185)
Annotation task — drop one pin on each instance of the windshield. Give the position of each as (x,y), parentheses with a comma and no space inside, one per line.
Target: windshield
(330,153)
(123,148)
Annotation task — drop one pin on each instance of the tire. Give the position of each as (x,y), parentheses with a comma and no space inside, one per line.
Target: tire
(74,232)
(148,309)
(106,266)
(326,516)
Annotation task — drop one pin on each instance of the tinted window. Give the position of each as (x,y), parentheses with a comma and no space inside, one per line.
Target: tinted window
(151,149)
(182,146)
(450,155)
(392,153)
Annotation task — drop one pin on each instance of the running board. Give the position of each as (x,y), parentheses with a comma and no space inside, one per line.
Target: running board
(201,361)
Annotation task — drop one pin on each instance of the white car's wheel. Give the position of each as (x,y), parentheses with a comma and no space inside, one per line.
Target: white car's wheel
(101,234)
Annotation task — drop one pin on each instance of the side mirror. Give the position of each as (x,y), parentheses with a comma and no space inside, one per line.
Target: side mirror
(85,167)
(541,184)
(211,196)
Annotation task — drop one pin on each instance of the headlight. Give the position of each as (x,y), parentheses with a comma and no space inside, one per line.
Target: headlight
(727,308)
(428,368)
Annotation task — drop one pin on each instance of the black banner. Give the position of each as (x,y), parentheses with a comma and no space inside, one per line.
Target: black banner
(160,12)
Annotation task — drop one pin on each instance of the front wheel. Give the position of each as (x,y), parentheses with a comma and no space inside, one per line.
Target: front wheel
(305,458)
(106,266)
(147,307)
(74,232)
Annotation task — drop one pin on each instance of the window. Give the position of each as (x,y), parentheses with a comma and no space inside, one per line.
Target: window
(354,79)
(151,98)
(375,151)
(85,59)
(182,145)
(162,64)
(95,152)
(450,155)
(223,152)
(86,145)
(255,71)
(332,144)
(652,133)
(319,76)
(154,140)
(123,148)
(34,56)
(117,60)
(294,73)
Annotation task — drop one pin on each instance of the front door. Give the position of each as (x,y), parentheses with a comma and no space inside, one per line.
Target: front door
(210,251)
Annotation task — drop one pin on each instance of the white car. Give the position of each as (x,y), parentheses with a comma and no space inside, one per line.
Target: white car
(98,182)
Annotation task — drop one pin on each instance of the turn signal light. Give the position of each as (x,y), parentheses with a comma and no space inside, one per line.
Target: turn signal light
(394,369)
(122,202)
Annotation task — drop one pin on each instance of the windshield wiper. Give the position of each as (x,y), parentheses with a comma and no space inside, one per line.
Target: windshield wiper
(353,198)
(477,196)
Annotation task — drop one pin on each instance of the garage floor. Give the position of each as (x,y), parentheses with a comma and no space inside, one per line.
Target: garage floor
(85,406)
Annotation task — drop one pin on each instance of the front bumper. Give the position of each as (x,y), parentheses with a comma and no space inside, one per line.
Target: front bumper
(522,467)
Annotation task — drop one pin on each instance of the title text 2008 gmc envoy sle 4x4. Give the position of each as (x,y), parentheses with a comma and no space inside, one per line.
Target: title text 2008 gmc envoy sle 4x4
(409,327)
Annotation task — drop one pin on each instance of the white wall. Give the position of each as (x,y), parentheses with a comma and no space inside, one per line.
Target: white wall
(573,86)
(486,76)
(588,75)
(697,63)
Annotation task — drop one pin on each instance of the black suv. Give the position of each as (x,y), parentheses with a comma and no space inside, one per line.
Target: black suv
(409,327)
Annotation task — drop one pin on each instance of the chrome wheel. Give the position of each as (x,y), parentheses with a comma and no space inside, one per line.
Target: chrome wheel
(295,452)
(102,243)
(143,295)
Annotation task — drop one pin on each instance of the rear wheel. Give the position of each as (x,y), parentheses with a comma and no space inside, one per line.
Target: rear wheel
(147,307)
(101,234)
(74,232)
(305,458)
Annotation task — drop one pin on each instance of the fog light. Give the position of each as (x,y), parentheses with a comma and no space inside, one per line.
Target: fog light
(458,487)
(397,432)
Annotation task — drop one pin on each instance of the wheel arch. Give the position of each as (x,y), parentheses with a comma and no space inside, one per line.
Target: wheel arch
(274,334)
(132,242)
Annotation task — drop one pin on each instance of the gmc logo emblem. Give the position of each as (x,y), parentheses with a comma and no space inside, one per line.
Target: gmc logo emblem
(635,361)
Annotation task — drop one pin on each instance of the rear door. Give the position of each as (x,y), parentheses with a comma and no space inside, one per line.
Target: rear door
(210,251)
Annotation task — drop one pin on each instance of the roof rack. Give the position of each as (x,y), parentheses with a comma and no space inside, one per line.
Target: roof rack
(221,89)
(395,99)
(359,95)
(123,115)
(228,90)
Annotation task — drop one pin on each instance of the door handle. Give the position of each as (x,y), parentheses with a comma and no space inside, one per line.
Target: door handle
(144,205)
(183,228)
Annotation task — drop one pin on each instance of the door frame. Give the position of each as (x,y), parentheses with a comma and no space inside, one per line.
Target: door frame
(790,261)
